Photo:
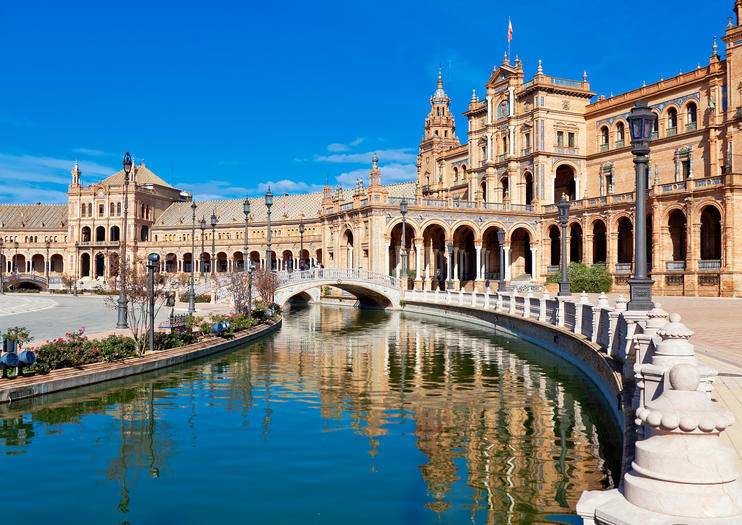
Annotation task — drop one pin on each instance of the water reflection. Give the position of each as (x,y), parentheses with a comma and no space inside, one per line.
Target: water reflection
(343,414)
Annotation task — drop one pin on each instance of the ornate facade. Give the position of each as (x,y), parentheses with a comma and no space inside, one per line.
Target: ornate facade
(529,140)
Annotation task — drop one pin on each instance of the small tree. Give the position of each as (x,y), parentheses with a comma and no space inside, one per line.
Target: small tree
(68,281)
(136,292)
(266,283)
(239,287)
(19,335)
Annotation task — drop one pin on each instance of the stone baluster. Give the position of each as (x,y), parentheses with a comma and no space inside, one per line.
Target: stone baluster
(614,329)
(487,298)
(499,301)
(511,310)
(527,305)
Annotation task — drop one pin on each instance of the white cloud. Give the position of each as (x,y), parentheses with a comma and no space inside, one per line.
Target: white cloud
(91,152)
(402,155)
(288,186)
(220,189)
(357,141)
(27,178)
(337,147)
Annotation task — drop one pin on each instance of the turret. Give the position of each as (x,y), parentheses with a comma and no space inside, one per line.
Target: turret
(76,174)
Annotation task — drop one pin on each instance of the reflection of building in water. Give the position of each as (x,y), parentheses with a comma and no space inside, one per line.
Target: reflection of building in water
(521,433)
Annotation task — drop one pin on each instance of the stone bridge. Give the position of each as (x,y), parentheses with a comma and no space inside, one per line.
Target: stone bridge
(370,288)
(25,280)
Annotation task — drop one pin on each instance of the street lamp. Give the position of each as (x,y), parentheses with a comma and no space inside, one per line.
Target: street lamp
(403,251)
(641,122)
(47,262)
(213,242)
(123,301)
(77,266)
(15,258)
(192,291)
(449,265)
(250,267)
(563,207)
(301,244)
(501,241)
(152,263)
(203,230)
(268,204)
(245,258)
(2,268)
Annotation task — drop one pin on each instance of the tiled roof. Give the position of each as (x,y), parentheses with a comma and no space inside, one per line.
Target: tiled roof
(305,205)
(143,176)
(33,215)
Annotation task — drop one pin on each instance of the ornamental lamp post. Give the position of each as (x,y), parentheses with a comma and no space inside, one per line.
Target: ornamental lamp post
(213,242)
(245,257)
(2,268)
(46,266)
(301,244)
(123,301)
(641,121)
(77,263)
(501,241)
(403,251)
(563,207)
(449,265)
(251,267)
(152,263)
(15,258)
(268,204)
(192,290)
(203,232)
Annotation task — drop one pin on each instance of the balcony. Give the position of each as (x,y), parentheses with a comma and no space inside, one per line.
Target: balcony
(552,269)
(709,264)
(675,266)
(672,131)
(604,147)
(619,143)
(525,152)
(99,244)
(502,157)
(655,134)
(691,127)
(623,267)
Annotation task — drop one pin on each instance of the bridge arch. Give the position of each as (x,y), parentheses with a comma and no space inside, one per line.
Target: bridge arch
(371,289)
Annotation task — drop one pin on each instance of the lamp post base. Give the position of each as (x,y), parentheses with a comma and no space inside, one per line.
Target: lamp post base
(640,294)
(122,304)
(565,289)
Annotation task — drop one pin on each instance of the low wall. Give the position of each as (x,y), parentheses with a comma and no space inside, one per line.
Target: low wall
(576,349)
(67,378)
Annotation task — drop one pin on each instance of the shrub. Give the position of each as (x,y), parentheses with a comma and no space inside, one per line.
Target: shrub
(164,340)
(59,291)
(594,279)
(75,349)
(203,298)
(100,291)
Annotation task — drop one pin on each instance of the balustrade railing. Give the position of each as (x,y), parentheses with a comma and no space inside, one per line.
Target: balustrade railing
(709,264)
(674,265)
(355,274)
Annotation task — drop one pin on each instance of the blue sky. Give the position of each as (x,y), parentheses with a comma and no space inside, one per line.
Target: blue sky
(221,98)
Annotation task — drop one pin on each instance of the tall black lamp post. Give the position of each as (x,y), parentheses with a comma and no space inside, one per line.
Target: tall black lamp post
(15,257)
(301,244)
(123,301)
(268,204)
(192,290)
(501,241)
(213,242)
(245,255)
(2,268)
(563,207)
(203,232)
(641,122)
(46,266)
(152,262)
(449,265)
(403,251)
(250,268)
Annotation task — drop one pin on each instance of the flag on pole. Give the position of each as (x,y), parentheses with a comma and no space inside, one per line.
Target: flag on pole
(510,30)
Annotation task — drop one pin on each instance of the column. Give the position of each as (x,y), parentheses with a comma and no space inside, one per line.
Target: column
(479,262)
(456,264)
(418,262)
(577,188)
(489,109)
(534,263)
(489,147)
(506,262)
(350,258)
(511,140)
(448,265)
(386,259)
(511,101)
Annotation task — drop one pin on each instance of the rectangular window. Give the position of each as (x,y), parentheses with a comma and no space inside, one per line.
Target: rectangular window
(528,141)
(685,168)
(560,138)
(101,210)
(571,140)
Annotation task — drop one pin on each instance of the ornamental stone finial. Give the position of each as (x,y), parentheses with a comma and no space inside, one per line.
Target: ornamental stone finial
(684,469)
(540,70)
(583,297)
(546,294)
(657,319)
(621,303)
(603,301)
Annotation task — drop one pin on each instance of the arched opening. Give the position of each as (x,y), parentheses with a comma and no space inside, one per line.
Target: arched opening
(711,235)
(522,263)
(287,261)
(115,233)
(677,227)
(505,187)
(464,257)
(691,116)
(85,265)
(625,247)
(564,183)
(85,234)
(187,262)
(171,263)
(529,188)
(575,243)
(600,242)
(57,263)
(491,254)
(37,264)
(672,121)
(620,134)
(100,265)
(255,259)
(555,245)
(318,257)
(20,263)
(100,234)
(206,263)
(113,268)
(221,262)
(483,190)
(346,250)
(395,249)
(604,138)
(304,262)
(435,263)
(144,233)
(238,261)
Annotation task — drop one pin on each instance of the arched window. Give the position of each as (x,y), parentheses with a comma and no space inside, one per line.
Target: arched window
(604,138)
(82,210)
(90,209)
(112,208)
(691,116)
(672,121)
(118,208)
(656,126)
(620,133)
(503,110)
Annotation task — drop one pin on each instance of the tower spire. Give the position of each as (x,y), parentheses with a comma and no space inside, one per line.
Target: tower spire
(76,173)
(440,77)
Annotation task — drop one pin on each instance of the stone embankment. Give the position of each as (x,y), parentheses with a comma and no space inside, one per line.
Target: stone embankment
(67,378)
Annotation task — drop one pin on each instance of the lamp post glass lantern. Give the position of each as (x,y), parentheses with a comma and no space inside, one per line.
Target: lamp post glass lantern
(245,255)
(123,301)
(641,122)
(152,261)
(268,204)
(403,251)
(203,246)
(192,290)
(501,241)
(563,207)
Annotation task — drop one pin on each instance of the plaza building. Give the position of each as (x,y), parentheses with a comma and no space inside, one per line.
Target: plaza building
(479,207)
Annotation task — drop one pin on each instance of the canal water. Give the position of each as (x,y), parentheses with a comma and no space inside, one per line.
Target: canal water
(343,416)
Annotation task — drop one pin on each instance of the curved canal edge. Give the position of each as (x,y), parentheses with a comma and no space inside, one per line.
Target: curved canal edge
(68,378)
(576,349)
